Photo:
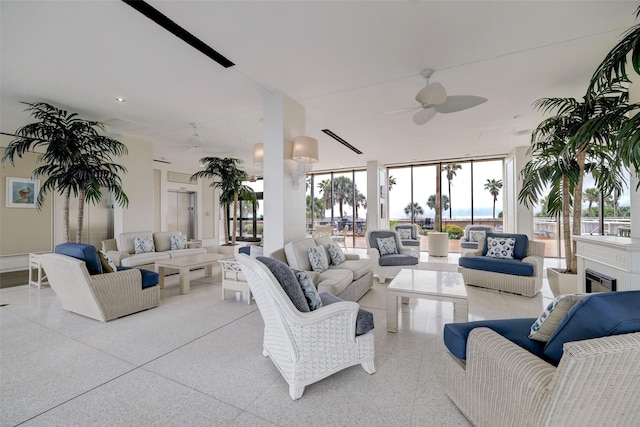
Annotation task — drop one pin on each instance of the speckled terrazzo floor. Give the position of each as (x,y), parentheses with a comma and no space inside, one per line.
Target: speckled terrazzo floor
(197,360)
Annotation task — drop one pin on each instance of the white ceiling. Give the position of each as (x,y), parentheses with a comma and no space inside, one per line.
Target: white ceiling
(346,63)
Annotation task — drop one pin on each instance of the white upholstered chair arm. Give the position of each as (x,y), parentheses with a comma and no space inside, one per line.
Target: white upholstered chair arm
(374,255)
(117,256)
(537,263)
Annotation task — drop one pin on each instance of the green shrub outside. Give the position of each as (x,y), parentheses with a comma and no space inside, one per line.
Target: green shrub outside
(248,228)
(455,231)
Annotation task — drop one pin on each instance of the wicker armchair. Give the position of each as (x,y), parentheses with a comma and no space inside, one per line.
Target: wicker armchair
(502,384)
(306,347)
(389,265)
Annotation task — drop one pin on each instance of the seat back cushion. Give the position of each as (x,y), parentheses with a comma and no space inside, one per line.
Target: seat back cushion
(297,253)
(364,320)
(162,240)
(597,315)
(83,252)
(381,234)
(126,240)
(515,330)
(520,249)
(287,279)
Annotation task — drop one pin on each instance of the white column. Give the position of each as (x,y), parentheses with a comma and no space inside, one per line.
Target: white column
(284,206)
(634,96)
(377,196)
(518,218)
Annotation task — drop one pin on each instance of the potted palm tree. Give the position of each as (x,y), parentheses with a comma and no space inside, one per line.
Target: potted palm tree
(227,178)
(563,151)
(77,159)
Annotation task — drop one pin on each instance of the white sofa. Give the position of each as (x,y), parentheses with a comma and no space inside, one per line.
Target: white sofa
(348,281)
(122,252)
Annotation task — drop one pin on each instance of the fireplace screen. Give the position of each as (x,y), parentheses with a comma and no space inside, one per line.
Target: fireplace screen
(598,282)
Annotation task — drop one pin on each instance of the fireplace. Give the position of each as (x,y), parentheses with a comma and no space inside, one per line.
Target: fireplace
(598,282)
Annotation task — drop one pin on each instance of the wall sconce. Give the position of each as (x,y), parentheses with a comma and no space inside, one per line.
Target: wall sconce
(258,154)
(305,152)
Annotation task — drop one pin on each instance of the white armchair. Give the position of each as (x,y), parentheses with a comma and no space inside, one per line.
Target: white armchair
(306,347)
(389,265)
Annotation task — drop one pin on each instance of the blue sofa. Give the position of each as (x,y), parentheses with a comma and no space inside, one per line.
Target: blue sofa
(521,275)
(587,373)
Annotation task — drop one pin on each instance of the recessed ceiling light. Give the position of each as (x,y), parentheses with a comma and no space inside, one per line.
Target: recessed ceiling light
(119,99)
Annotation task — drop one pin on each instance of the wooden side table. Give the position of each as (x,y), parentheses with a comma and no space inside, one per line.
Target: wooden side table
(34,263)
(232,278)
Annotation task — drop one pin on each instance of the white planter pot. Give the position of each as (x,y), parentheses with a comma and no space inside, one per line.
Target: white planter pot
(231,251)
(562,283)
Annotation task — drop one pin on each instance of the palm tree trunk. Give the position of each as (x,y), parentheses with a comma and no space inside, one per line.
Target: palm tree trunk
(80,216)
(65,214)
(494,208)
(235,219)
(438,225)
(566,230)
(450,204)
(577,207)
(226,224)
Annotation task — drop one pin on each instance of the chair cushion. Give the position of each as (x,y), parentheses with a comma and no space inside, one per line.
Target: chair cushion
(500,247)
(318,259)
(310,292)
(520,248)
(162,240)
(515,330)
(297,253)
(497,265)
(334,280)
(359,267)
(387,245)
(149,278)
(364,320)
(397,259)
(597,315)
(410,242)
(336,254)
(287,279)
(83,252)
(551,316)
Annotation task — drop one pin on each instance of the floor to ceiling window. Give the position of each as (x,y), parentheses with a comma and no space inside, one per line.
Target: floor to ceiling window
(251,219)
(338,199)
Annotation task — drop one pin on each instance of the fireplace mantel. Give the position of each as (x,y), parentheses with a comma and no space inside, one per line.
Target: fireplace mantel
(614,256)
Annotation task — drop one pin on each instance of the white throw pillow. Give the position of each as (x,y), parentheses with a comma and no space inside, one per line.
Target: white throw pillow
(543,327)
(500,247)
(476,236)
(387,245)
(336,254)
(178,242)
(318,259)
(405,233)
(143,245)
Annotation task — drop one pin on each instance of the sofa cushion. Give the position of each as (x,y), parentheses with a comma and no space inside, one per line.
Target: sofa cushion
(143,245)
(334,280)
(520,248)
(144,259)
(515,330)
(335,253)
(298,255)
(125,240)
(500,247)
(310,292)
(186,252)
(597,315)
(387,245)
(318,259)
(497,265)
(364,320)
(397,259)
(177,242)
(83,252)
(358,267)
(287,279)
(551,316)
(149,278)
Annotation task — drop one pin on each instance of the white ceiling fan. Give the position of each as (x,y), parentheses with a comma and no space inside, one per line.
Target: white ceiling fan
(433,99)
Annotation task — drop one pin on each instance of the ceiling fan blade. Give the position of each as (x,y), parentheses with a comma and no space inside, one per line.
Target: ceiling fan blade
(459,103)
(423,116)
(432,94)
(402,110)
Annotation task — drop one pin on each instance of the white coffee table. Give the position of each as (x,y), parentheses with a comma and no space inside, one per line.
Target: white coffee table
(186,264)
(434,285)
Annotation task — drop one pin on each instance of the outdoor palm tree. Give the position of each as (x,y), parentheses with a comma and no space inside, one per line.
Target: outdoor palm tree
(392,181)
(324,187)
(450,169)
(413,210)
(493,186)
(431,202)
(77,159)
(591,195)
(342,191)
(228,178)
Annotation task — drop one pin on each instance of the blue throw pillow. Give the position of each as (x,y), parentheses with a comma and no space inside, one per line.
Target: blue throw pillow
(597,315)
(284,275)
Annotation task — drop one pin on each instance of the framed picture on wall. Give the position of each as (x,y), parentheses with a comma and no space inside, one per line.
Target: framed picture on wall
(22,192)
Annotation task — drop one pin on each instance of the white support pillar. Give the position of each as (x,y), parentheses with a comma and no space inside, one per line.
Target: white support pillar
(284,206)
(634,96)
(377,196)
(518,218)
